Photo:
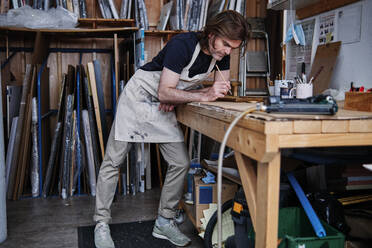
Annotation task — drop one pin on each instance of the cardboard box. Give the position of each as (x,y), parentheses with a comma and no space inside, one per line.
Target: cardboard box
(204,194)
(360,101)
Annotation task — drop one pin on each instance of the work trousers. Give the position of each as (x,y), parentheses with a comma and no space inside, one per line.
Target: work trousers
(175,154)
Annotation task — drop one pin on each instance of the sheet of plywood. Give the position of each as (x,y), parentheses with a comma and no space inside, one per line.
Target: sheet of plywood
(323,65)
(17,142)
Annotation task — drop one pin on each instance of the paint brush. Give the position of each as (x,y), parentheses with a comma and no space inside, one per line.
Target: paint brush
(223,78)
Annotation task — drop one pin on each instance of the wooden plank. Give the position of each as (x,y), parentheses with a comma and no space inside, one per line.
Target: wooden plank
(92,124)
(250,143)
(95,22)
(16,65)
(26,135)
(106,73)
(92,7)
(321,140)
(100,94)
(360,126)
(268,181)
(4,6)
(341,126)
(152,46)
(278,127)
(307,126)
(116,64)
(248,175)
(40,48)
(323,65)
(320,7)
(234,65)
(153,11)
(13,186)
(45,122)
(92,82)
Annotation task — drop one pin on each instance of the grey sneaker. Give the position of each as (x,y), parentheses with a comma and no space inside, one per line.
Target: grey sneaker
(102,236)
(170,232)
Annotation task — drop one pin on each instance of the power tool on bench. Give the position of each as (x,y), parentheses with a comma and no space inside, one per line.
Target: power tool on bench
(320,104)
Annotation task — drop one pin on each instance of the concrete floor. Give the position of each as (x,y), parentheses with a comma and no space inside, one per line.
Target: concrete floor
(53,222)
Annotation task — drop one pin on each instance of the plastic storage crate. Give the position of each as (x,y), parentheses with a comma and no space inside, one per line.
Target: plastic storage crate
(296,231)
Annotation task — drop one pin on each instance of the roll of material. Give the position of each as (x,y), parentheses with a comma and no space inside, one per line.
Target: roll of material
(314,220)
(3,221)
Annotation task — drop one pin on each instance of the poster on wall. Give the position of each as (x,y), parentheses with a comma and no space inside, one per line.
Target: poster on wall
(327,28)
(297,54)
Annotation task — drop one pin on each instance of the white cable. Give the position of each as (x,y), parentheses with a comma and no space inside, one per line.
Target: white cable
(219,174)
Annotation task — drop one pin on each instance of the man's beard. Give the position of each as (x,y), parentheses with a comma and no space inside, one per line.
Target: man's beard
(216,55)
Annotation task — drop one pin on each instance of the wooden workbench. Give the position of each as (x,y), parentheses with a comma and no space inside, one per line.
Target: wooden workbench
(260,136)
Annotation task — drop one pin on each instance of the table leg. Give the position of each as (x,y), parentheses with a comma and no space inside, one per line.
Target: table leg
(248,175)
(268,183)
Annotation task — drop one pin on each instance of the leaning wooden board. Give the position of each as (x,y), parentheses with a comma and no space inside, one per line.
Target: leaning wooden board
(17,143)
(101,102)
(92,82)
(323,65)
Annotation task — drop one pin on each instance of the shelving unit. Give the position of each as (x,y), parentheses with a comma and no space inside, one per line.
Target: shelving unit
(41,52)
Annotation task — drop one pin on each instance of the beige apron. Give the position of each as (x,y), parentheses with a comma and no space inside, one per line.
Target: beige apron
(138,118)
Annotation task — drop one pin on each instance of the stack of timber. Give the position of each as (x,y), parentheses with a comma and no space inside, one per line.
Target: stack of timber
(349,177)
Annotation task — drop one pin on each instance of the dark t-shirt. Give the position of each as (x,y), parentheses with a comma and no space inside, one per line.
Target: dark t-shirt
(177,54)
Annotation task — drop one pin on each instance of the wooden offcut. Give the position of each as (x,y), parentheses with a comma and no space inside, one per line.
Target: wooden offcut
(361,101)
(93,87)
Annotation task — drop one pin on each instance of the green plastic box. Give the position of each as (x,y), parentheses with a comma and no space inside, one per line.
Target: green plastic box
(296,231)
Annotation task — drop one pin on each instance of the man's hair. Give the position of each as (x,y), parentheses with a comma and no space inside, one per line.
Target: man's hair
(227,24)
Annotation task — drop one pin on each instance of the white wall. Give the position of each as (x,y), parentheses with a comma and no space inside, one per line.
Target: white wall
(354,62)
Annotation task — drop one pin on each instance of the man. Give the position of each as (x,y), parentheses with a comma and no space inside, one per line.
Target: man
(145,113)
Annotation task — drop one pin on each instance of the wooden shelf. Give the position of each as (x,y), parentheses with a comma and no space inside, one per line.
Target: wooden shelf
(96,22)
(164,32)
(73,32)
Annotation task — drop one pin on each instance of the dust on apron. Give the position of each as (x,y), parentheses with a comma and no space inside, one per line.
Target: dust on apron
(138,118)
